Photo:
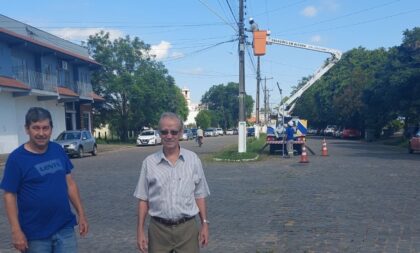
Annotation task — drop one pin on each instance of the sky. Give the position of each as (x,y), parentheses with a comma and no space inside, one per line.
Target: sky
(196,40)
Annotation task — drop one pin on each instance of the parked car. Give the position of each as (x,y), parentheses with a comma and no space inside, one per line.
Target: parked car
(219,131)
(187,135)
(77,142)
(250,132)
(229,132)
(414,143)
(329,130)
(312,131)
(209,132)
(149,137)
(351,133)
(338,132)
(194,132)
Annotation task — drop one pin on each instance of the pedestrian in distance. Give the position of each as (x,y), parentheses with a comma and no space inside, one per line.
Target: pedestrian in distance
(38,188)
(290,132)
(172,190)
(200,136)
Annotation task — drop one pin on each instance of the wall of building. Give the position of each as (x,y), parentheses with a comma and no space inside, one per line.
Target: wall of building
(12,125)
(8,127)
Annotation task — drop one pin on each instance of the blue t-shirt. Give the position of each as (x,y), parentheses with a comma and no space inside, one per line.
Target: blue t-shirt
(39,181)
(289,133)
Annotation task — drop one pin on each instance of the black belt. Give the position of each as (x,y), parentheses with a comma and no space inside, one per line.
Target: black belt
(172,222)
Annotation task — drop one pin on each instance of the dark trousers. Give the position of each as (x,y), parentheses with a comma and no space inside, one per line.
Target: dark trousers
(182,238)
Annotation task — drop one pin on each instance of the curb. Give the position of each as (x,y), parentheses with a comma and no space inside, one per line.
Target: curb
(240,160)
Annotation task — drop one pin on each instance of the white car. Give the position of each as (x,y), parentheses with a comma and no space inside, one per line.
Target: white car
(330,129)
(219,131)
(229,132)
(148,137)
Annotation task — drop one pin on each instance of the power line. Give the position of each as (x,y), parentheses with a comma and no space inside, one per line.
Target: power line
(215,13)
(341,17)
(230,8)
(359,23)
(197,51)
(280,8)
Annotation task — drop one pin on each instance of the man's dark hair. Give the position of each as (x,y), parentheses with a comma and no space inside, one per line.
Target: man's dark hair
(36,114)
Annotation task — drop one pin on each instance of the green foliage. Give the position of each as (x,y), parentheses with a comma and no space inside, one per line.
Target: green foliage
(368,88)
(203,119)
(137,89)
(222,100)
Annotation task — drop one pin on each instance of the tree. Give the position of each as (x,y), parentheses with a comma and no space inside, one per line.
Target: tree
(137,89)
(222,101)
(203,119)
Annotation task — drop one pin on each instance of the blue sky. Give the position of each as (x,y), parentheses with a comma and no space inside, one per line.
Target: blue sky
(191,37)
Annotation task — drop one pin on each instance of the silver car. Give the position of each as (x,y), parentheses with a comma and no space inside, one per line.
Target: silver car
(77,142)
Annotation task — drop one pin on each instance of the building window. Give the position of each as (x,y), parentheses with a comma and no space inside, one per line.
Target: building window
(86,120)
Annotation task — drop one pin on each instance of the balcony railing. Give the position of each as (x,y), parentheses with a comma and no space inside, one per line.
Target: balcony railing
(35,80)
(84,89)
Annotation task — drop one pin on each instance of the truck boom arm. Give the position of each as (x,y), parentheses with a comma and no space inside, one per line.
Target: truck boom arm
(335,57)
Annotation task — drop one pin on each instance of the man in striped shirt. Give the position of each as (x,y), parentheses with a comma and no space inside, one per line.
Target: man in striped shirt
(172,189)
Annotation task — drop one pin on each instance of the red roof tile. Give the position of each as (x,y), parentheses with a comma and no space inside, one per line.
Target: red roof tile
(96,97)
(66,92)
(12,83)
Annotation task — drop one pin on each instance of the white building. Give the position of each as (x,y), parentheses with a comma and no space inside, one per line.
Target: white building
(193,108)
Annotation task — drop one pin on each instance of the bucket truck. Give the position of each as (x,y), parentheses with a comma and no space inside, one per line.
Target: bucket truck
(275,134)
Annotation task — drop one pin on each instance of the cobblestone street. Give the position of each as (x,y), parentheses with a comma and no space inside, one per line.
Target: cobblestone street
(361,198)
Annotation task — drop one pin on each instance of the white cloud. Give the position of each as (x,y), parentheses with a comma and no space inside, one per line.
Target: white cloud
(309,11)
(82,34)
(161,50)
(331,5)
(316,39)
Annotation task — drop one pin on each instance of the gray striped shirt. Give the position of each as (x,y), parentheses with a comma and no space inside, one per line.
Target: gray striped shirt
(171,190)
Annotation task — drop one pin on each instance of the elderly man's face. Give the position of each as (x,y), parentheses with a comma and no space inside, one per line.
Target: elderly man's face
(170,133)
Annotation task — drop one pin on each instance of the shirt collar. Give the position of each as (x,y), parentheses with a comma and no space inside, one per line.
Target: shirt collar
(161,155)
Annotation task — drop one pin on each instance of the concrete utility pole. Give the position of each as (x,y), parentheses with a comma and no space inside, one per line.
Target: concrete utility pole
(257,109)
(265,97)
(242,123)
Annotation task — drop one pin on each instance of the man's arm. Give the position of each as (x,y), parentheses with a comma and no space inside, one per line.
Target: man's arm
(18,237)
(142,242)
(74,196)
(204,232)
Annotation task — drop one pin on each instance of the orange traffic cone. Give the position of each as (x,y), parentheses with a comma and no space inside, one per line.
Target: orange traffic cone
(324,148)
(304,155)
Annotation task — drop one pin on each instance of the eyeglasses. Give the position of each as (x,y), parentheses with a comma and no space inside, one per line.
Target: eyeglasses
(166,132)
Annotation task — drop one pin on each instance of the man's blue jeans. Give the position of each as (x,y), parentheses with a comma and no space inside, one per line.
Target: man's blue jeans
(64,241)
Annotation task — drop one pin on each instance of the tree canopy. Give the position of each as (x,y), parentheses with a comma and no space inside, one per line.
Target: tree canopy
(223,103)
(137,89)
(368,88)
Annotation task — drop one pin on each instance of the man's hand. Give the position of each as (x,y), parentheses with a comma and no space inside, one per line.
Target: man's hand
(19,241)
(204,235)
(142,242)
(83,226)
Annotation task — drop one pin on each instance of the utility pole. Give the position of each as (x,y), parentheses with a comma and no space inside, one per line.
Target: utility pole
(257,109)
(265,97)
(242,123)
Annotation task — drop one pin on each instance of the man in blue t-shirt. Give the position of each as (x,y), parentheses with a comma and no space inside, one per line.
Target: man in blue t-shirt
(290,132)
(38,188)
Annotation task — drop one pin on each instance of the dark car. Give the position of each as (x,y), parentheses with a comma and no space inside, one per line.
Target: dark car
(414,143)
(77,142)
(194,132)
(250,132)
